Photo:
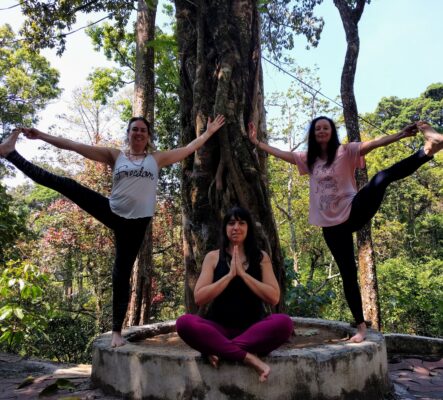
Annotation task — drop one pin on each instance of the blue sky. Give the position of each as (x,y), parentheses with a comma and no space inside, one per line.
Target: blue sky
(400,53)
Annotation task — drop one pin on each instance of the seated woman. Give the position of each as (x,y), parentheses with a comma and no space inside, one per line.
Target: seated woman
(237,279)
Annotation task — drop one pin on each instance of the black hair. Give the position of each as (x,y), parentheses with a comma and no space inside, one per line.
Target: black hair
(253,252)
(314,149)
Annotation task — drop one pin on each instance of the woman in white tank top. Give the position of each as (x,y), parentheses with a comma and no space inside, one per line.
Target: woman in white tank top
(132,202)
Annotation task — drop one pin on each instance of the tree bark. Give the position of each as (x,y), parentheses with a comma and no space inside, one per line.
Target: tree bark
(350,16)
(220,73)
(143,105)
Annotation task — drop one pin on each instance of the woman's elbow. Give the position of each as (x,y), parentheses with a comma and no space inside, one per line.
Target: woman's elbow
(274,299)
(199,300)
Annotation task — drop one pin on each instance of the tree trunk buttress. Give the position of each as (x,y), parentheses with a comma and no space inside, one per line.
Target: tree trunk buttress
(220,73)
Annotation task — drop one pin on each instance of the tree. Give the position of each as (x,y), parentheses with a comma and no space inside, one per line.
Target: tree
(23,306)
(154,93)
(144,97)
(350,13)
(220,73)
(48,24)
(408,229)
(106,82)
(296,108)
(12,225)
(27,82)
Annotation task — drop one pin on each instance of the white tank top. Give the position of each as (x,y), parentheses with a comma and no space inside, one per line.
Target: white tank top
(134,187)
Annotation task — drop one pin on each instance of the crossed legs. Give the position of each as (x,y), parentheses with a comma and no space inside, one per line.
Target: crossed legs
(217,341)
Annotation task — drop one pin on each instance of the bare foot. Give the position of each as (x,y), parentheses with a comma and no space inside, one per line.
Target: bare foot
(8,145)
(262,368)
(434,140)
(360,336)
(213,360)
(117,339)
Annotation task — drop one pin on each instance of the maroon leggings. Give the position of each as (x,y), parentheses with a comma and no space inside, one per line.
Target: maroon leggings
(210,338)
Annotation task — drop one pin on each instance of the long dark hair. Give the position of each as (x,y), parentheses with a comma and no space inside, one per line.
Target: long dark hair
(252,250)
(148,126)
(314,149)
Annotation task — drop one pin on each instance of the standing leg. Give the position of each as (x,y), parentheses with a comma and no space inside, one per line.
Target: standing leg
(128,233)
(368,200)
(128,239)
(340,242)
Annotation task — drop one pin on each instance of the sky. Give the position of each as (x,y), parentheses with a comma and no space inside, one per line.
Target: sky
(400,54)
(401,51)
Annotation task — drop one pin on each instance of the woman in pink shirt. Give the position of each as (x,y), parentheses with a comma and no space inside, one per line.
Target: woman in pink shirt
(335,204)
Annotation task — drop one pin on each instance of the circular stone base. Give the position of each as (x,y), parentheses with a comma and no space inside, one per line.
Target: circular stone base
(315,364)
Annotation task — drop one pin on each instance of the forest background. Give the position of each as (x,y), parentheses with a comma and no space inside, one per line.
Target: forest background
(55,261)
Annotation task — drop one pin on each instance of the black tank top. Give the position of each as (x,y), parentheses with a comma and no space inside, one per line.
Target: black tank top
(237,306)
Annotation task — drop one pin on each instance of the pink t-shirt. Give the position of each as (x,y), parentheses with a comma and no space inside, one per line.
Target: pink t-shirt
(331,188)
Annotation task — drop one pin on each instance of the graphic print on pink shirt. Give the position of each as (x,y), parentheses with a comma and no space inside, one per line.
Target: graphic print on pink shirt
(326,187)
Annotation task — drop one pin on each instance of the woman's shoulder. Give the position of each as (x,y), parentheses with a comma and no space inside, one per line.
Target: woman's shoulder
(155,155)
(351,149)
(213,255)
(116,154)
(211,260)
(350,145)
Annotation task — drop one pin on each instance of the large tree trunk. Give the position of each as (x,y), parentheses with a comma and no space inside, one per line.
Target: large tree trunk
(220,72)
(350,17)
(143,105)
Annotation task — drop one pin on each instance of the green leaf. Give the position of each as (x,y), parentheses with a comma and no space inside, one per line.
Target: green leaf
(18,313)
(28,381)
(5,337)
(61,383)
(6,312)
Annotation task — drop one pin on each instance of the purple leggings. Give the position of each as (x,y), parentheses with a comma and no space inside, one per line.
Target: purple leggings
(210,338)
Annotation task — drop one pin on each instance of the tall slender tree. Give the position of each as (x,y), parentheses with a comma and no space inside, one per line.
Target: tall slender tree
(350,13)
(143,105)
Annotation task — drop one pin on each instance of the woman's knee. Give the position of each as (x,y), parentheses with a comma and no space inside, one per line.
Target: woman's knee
(285,324)
(185,323)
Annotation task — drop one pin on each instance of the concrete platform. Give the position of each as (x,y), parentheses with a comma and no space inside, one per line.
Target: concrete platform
(316,364)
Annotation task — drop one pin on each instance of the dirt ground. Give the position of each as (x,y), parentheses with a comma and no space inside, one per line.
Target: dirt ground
(58,381)
(23,378)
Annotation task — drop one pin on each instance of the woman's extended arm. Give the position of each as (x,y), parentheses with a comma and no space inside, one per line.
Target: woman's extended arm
(105,155)
(267,289)
(368,146)
(284,155)
(206,289)
(168,157)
